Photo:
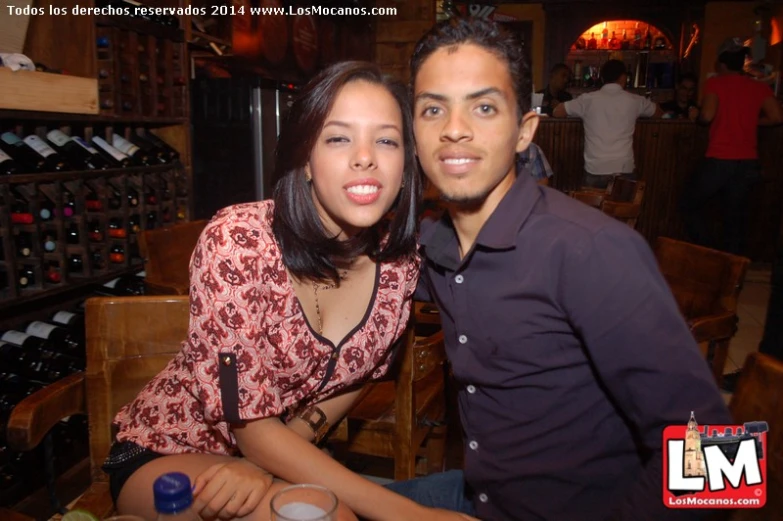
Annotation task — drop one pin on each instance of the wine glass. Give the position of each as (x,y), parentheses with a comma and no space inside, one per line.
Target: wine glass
(304,503)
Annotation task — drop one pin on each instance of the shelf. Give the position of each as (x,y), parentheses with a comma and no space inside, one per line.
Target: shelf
(46,92)
(31,115)
(142,26)
(47,177)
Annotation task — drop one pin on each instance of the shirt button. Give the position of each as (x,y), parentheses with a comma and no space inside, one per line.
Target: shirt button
(471,389)
(459,279)
(483,497)
(473,445)
(463,339)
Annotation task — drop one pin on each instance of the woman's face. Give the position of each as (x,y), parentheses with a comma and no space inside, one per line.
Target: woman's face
(358,160)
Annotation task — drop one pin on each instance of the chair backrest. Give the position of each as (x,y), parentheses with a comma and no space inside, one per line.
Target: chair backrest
(167,252)
(704,281)
(759,397)
(625,190)
(129,340)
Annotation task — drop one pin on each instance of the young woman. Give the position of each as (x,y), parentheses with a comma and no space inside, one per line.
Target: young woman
(295,302)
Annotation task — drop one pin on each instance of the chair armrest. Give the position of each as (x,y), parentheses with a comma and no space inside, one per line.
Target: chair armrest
(34,416)
(714,327)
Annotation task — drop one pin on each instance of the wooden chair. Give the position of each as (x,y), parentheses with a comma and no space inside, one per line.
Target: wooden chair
(622,199)
(759,397)
(129,340)
(403,416)
(166,253)
(706,284)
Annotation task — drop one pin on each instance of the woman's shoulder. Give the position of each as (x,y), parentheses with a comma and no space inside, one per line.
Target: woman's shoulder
(242,227)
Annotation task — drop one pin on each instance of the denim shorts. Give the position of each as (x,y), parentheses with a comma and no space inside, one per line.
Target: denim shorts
(442,490)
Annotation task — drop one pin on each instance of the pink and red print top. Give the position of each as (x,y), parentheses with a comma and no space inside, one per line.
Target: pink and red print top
(250,353)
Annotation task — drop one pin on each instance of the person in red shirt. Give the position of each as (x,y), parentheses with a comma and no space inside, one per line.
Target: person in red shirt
(734,105)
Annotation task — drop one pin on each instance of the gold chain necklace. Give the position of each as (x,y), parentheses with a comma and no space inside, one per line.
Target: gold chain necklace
(317,306)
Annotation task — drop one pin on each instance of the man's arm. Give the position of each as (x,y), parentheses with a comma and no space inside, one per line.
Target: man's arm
(709,107)
(770,112)
(560,111)
(643,353)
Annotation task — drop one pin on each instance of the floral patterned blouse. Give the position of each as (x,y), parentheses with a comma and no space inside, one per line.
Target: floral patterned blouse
(250,352)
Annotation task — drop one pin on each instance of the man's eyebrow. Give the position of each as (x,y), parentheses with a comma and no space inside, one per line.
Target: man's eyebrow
(473,95)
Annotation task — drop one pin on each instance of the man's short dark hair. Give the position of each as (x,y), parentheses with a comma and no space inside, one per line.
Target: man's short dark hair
(734,61)
(559,67)
(612,70)
(687,77)
(488,35)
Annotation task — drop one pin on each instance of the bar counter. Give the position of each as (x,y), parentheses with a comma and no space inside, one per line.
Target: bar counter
(666,153)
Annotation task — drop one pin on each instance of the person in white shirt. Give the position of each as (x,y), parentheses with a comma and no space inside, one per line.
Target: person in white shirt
(609,116)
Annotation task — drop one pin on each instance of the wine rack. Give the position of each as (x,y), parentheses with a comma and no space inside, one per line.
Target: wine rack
(141,69)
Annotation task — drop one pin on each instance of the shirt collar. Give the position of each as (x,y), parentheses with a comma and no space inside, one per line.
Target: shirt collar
(439,240)
(612,87)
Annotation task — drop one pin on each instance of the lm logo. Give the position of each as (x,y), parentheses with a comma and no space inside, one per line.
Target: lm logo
(718,466)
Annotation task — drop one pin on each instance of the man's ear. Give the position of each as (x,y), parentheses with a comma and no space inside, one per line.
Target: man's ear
(527,130)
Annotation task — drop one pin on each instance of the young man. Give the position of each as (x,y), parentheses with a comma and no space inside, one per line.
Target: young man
(567,346)
(734,105)
(609,117)
(683,106)
(555,93)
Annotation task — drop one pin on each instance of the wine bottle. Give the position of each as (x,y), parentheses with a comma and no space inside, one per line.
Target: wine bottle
(52,273)
(95,231)
(7,164)
(75,264)
(117,254)
(156,154)
(115,201)
(73,321)
(123,286)
(72,234)
(69,205)
(98,262)
(150,196)
(133,197)
(111,154)
(46,209)
(75,152)
(26,277)
(116,229)
(152,221)
(96,161)
(92,203)
(20,210)
(58,337)
(155,140)
(24,244)
(137,155)
(53,161)
(134,223)
(26,158)
(50,241)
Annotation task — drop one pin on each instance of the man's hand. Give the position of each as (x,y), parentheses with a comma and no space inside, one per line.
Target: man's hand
(693,113)
(228,490)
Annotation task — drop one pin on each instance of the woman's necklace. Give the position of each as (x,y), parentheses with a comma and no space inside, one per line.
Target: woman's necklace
(317,306)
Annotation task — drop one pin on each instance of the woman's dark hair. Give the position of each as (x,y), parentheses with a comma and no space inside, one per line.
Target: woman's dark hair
(612,70)
(488,35)
(307,249)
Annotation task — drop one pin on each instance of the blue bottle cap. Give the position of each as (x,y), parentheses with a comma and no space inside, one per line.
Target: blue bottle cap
(172,493)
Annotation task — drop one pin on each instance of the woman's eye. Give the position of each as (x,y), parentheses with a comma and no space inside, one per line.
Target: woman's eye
(389,142)
(336,139)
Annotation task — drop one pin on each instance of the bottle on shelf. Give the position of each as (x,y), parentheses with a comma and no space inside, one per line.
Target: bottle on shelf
(134,223)
(150,195)
(36,359)
(26,159)
(173,498)
(115,200)
(111,154)
(625,44)
(647,39)
(97,260)
(24,245)
(52,273)
(133,197)
(20,209)
(117,254)
(92,203)
(69,203)
(77,155)
(75,264)
(97,161)
(53,161)
(50,241)
(46,208)
(72,321)
(152,220)
(592,43)
(72,234)
(605,37)
(637,37)
(25,277)
(95,231)
(57,337)
(7,164)
(614,43)
(137,155)
(173,155)
(156,154)
(116,229)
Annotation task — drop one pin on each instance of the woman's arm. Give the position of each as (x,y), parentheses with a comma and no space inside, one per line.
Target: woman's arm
(335,409)
(273,446)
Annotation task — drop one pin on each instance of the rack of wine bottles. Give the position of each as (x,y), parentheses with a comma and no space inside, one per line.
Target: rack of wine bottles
(76,199)
(141,68)
(34,354)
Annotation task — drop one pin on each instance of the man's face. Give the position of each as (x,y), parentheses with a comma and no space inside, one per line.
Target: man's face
(559,80)
(466,124)
(685,91)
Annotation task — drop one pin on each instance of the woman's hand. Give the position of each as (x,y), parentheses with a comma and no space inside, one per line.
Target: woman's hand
(439,514)
(229,490)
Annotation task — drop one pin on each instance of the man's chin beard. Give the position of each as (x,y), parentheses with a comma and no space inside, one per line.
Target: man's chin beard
(464,201)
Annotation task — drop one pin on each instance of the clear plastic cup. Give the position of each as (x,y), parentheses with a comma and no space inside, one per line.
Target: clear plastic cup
(304,503)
